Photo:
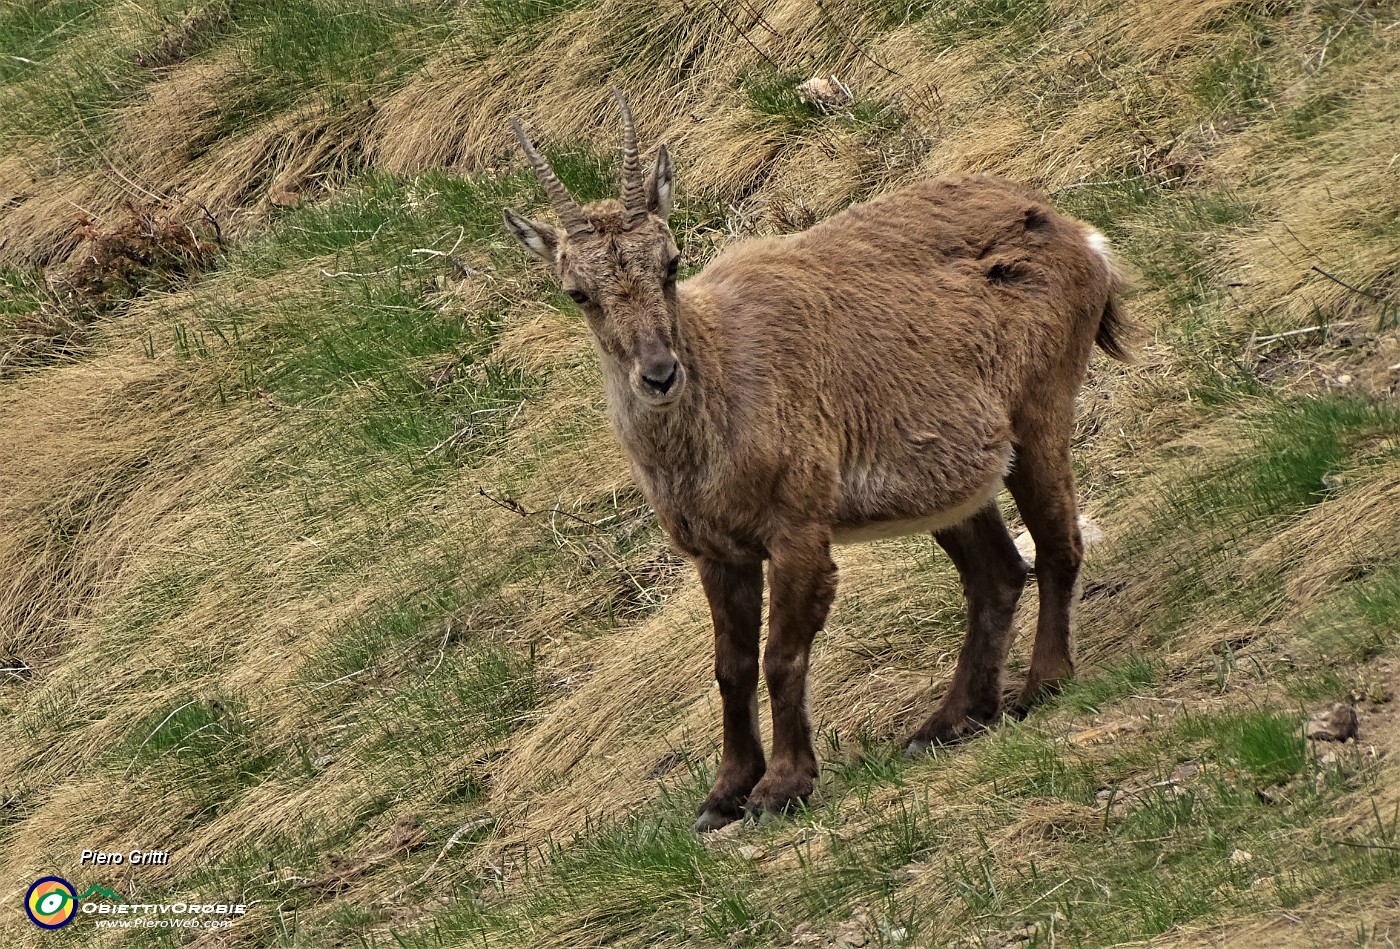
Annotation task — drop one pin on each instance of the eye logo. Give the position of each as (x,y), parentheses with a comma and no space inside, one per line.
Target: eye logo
(50,902)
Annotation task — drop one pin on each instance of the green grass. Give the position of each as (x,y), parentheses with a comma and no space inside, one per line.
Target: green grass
(1299,444)
(1014,23)
(390,639)
(67,95)
(1174,849)
(310,50)
(1362,621)
(775,94)
(404,378)
(290,53)
(1236,81)
(1022,762)
(339,50)
(21,293)
(1293,452)
(298,860)
(388,216)
(863,761)
(1093,694)
(31,32)
(1267,744)
(494,21)
(345,351)
(458,707)
(868,867)
(208,745)
(625,884)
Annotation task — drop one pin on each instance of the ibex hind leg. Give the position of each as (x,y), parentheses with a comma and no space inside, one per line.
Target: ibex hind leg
(993,575)
(1042,482)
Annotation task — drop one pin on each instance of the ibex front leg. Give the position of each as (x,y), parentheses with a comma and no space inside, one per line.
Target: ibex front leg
(802,580)
(735,592)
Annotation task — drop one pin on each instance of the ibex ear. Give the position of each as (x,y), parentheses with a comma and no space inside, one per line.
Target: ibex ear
(539,239)
(659,186)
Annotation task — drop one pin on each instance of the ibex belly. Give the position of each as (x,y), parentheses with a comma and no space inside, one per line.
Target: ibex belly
(881,530)
(879,503)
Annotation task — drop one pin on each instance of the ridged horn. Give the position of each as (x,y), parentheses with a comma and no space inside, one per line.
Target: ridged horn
(570,214)
(633,190)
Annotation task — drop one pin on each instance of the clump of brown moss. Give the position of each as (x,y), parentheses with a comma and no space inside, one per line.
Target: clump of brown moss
(151,247)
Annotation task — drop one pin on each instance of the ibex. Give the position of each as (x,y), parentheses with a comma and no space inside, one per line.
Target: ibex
(882,373)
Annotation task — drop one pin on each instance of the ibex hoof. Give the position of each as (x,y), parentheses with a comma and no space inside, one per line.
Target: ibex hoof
(1036,693)
(713,819)
(917,748)
(779,795)
(942,730)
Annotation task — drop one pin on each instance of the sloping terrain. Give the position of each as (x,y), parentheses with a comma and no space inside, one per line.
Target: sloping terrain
(319,569)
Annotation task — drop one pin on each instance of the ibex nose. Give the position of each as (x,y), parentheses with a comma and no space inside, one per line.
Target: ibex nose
(659,374)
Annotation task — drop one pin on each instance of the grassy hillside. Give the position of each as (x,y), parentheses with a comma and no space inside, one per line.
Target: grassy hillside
(319,569)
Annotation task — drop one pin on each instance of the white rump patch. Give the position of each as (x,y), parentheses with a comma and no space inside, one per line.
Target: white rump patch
(1099,245)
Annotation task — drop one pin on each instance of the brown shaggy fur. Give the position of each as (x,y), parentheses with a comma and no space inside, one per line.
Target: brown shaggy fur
(882,373)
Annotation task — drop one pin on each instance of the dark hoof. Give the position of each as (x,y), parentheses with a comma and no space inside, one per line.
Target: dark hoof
(713,819)
(923,743)
(943,728)
(762,818)
(761,815)
(1033,695)
(776,797)
(918,747)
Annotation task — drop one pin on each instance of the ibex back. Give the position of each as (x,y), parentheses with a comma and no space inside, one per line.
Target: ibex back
(884,372)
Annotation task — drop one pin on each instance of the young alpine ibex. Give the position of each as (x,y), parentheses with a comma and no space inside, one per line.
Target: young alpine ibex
(882,373)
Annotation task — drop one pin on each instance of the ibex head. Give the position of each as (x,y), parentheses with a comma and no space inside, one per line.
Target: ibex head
(617,260)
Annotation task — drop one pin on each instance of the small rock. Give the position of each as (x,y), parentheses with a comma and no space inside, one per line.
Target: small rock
(1184,772)
(855,932)
(752,853)
(1239,858)
(826,92)
(1339,724)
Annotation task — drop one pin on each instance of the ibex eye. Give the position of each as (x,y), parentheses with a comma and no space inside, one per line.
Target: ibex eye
(578,296)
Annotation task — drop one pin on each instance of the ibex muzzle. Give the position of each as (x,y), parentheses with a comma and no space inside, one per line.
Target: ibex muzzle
(658,378)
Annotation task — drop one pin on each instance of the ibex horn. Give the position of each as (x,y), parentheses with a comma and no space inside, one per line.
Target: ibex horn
(633,191)
(570,214)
